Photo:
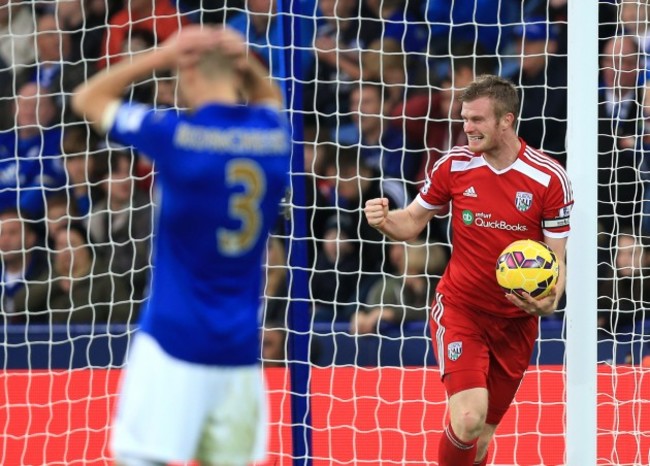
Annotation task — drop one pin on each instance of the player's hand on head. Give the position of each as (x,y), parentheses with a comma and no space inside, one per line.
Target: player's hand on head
(535,306)
(232,44)
(376,211)
(185,48)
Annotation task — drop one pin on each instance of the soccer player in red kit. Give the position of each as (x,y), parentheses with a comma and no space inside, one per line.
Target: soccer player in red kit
(500,191)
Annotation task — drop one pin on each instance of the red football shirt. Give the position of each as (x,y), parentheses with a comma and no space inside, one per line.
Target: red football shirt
(491,208)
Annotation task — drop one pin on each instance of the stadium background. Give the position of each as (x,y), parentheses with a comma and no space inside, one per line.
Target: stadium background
(374,396)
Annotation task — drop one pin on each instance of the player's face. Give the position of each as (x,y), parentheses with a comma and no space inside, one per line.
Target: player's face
(484,131)
(366,109)
(533,55)
(33,108)
(57,219)
(630,257)
(620,63)
(11,236)
(71,251)
(15,240)
(120,185)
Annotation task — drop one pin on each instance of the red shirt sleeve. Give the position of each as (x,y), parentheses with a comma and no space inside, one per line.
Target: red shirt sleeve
(557,205)
(436,191)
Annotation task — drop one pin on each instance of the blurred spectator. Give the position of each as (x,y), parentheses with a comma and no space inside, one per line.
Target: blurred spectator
(385,63)
(261,25)
(85,20)
(402,296)
(335,280)
(158,17)
(6,95)
(400,25)
(60,213)
(339,38)
(82,165)
(624,292)
(343,33)
(77,289)
(620,120)
(16,51)
(317,150)
(30,155)
(136,42)
(383,147)
(165,93)
(478,22)
(21,261)
(634,16)
(54,68)
(542,83)
(120,225)
(16,33)
(352,182)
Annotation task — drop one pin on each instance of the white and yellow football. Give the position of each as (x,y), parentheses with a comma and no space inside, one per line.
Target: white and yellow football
(527,266)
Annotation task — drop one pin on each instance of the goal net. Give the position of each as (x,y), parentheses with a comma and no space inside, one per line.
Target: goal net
(371,90)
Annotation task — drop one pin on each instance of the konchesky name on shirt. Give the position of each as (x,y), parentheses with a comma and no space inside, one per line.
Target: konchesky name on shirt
(485,220)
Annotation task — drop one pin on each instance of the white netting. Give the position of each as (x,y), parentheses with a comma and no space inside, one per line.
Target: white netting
(379,80)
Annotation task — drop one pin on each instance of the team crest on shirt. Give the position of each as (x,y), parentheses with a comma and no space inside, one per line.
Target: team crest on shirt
(523,201)
(454,350)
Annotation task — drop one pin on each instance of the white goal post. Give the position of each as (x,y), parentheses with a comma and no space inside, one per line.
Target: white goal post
(582,295)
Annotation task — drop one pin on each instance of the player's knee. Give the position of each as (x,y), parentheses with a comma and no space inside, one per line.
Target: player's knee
(468,425)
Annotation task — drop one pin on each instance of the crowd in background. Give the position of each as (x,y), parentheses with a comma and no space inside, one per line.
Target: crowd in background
(380,81)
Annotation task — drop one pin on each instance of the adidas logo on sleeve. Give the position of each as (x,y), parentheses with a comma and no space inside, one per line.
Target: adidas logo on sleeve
(470,192)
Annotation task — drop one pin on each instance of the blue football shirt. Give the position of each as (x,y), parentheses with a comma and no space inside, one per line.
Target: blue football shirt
(221,172)
(30,169)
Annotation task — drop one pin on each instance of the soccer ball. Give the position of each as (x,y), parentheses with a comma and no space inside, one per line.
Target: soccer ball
(527,266)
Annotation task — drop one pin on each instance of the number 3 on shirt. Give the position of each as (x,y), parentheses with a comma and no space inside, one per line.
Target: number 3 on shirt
(243,206)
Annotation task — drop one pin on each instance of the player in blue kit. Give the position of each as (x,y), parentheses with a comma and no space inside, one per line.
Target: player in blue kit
(193,387)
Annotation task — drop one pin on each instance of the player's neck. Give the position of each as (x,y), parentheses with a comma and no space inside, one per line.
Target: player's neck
(504,154)
(207,92)
(220,97)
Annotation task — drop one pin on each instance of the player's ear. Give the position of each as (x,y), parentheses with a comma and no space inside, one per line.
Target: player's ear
(508,120)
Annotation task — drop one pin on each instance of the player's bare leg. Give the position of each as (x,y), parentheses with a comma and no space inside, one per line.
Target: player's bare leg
(484,442)
(468,410)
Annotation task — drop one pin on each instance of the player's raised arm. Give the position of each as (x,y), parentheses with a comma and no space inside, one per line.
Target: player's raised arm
(97,100)
(401,224)
(101,92)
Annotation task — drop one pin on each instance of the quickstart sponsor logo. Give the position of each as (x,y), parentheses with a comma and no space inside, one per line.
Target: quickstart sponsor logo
(484,220)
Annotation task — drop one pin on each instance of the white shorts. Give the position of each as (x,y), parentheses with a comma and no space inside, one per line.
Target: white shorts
(172,410)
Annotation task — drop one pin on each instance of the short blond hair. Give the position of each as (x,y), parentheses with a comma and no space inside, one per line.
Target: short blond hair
(501,91)
(213,64)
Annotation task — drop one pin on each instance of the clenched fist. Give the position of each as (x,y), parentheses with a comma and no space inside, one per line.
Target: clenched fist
(376,211)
